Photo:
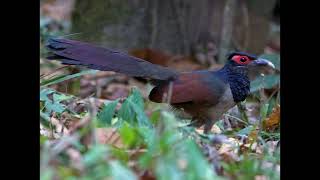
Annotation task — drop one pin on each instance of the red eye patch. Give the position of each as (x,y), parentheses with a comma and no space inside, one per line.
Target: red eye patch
(241,59)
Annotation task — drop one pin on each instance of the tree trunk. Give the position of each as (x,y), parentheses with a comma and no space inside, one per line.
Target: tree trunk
(174,26)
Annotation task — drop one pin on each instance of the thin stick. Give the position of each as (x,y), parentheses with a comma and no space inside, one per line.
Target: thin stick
(238,119)
(54,71)
(169,92)
(67,35)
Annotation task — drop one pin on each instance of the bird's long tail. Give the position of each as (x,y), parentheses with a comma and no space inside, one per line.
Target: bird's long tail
(72,52)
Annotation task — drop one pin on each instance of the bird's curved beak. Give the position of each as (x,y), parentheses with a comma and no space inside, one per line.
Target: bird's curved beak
(262,63)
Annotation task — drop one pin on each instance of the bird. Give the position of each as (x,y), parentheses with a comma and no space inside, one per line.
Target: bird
(204,94)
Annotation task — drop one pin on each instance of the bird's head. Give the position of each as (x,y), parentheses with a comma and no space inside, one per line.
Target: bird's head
(241,59)
(240,69)
(248,63)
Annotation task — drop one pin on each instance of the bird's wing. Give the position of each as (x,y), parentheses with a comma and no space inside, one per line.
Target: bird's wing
(191,87)
(72,52)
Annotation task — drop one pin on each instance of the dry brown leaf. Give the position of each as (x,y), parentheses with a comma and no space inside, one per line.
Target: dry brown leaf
(255,147)
(59,127)
(135,153)
(260,177)
(75,158)
(69,120)
(253,136)
(273,120)
(81,123)
(229,150)
(229,157)
(95,101)
(199,130)
(215,129)
(115,91)
(109,136)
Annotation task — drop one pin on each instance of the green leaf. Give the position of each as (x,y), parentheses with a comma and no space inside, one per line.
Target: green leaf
(173,156)
(95,155)
(107,112)
(118,171)
(60,97)
(274,58)
(55,104)
(264,110)
(148,134)
(270,135)
(267,82)
(155,116)
(43,139)
(136,98)
(245,131)
(128,135)
(62,78)
(167,169)
(120,154)
(126,113)
(140,115)
(44,82)
(47,174)
(198,167)
(54,107)
(44,94)
(132,110)
(272,103)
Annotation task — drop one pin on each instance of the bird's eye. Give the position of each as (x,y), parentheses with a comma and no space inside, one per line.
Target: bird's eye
(242,59)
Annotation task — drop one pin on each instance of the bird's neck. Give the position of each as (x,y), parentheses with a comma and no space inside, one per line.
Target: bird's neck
(238,80)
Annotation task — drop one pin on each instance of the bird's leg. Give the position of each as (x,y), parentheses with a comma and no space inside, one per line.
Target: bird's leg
(196,122)
(242,110)
(208,125)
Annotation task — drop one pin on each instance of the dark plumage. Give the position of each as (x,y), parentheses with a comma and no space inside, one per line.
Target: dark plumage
(205,95)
